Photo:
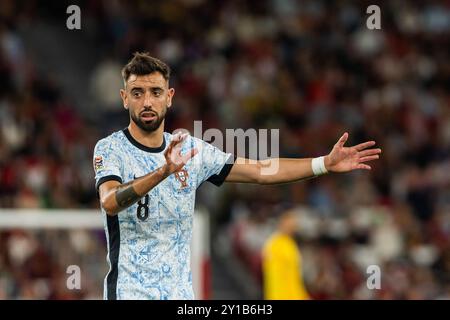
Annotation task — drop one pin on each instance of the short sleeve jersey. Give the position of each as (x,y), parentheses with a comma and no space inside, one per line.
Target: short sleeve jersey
(149,242)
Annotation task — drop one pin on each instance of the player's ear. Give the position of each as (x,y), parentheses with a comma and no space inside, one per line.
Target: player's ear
(171,93)
(123,95)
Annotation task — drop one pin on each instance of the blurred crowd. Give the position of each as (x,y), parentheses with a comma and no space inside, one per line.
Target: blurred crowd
(343,255)
(309,68)
(45,162)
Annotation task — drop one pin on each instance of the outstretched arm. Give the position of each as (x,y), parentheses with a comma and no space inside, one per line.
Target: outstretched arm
(282,170)
(115,197)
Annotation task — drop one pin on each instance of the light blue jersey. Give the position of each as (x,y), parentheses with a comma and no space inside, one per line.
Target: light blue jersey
(149,242)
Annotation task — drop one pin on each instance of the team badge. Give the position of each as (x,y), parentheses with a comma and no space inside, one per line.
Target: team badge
(182,176)
(98,163)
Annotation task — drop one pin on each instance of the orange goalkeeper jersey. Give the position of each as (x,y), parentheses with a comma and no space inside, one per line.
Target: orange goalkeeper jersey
(282,269)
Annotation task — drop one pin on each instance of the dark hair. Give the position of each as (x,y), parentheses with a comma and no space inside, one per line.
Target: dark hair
(142,64)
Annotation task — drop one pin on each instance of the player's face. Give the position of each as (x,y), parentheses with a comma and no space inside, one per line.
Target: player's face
(147,98)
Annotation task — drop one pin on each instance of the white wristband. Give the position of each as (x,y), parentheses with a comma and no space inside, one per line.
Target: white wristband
(318,166)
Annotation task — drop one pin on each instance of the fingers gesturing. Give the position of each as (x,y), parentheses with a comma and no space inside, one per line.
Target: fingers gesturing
(344,159)
(175,160)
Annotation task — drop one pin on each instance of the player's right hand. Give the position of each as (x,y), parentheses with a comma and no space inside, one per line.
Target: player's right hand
(175,161)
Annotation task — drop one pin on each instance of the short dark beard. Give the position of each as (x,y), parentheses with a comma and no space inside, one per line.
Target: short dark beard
(148,126)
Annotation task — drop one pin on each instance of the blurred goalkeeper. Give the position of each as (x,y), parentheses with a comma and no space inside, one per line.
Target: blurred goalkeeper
(282,262)
(147,179)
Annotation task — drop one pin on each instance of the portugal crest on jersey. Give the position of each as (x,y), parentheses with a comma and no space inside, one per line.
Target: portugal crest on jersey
(182,176)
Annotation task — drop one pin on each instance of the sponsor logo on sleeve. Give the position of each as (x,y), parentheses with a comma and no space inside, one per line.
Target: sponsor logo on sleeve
(98,163)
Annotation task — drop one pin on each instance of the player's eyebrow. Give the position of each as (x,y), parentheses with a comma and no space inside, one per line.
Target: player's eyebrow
(137,89)
(140,89)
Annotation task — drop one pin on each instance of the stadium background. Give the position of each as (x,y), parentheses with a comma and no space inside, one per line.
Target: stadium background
(310,68)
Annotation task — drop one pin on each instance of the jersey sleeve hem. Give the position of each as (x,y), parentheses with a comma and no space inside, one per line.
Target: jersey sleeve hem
(107,178)
(219,179)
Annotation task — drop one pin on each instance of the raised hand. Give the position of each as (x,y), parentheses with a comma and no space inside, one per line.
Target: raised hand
(344,159)
(175,161)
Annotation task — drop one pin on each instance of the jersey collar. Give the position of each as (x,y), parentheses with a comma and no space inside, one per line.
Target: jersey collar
(139,145)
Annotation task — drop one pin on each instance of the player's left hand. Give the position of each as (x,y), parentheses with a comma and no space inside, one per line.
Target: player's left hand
(344,159)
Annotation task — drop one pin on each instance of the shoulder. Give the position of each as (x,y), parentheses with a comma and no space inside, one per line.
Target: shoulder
(277,241)
(271,242)
(190,142)
(202,145)
(113,143)
(113,139)
(280,246)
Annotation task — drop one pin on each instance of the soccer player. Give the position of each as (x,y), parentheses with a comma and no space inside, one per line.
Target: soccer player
(282,262)
(147,179)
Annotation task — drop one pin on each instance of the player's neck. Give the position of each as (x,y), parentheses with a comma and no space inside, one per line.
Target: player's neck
(149,139)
